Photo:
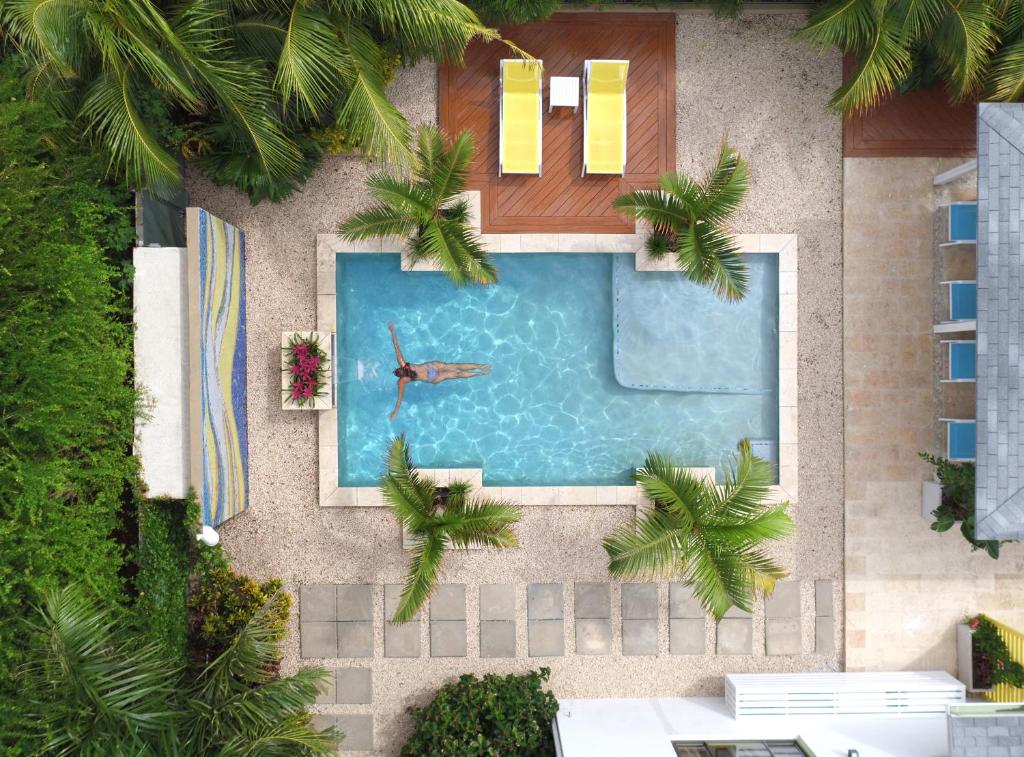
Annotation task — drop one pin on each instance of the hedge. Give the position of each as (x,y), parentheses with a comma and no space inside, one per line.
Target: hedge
(66,390)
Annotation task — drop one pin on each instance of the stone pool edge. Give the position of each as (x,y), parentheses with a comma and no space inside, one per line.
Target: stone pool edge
(784,245)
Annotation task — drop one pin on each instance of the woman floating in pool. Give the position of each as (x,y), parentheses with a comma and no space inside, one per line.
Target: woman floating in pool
(433,372)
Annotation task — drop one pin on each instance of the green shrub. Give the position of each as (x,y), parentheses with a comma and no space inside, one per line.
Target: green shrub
(166,544)
(493,716)
(66,391)
(221,602)
(987,641)
(513,11)
(957,505)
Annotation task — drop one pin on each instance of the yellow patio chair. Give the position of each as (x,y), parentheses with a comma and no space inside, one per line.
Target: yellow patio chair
(604,116)
(519,130)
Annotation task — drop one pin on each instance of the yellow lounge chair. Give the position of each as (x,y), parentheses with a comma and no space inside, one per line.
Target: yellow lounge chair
(519,130)
(604,116)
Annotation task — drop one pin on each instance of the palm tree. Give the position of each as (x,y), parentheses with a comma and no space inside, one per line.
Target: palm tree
(708,535)
(687,219)
(425,209)
(244,85)
(436,518)
(976,46)
(92,686)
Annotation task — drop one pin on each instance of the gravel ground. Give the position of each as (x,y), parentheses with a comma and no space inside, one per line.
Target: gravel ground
(741,78)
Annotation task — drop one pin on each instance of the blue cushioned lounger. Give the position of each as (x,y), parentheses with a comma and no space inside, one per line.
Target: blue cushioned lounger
(963,300)
(963,222)
(960,440)
(962,361)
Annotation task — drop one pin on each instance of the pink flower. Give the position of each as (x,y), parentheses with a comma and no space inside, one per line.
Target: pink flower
(307,391)
(975,623)
(296,392)
(314,361)
(294,367)
(300,349)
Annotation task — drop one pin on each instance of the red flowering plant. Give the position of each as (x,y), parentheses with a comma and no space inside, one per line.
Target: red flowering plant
(306,366)
(991,648)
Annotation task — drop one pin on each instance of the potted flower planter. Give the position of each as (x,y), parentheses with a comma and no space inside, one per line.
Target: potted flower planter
(307,370)
(973,667)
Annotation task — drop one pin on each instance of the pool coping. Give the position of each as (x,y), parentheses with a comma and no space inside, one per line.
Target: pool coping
(784,245)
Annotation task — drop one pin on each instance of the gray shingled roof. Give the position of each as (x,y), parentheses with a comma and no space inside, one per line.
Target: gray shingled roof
(1000,452)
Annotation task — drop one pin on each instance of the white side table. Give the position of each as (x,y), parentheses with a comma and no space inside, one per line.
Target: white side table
(564,91)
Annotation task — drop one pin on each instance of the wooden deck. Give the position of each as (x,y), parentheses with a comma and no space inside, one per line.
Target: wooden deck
(561,200)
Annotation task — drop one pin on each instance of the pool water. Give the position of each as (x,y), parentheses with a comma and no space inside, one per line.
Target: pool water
(556,329)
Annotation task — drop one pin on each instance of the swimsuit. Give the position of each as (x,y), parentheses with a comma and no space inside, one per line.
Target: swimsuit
(431,372)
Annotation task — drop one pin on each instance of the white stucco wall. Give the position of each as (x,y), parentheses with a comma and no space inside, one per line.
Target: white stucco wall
(161,368)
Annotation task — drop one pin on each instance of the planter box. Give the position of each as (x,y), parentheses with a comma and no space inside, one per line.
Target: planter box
(931,498)
(965,658)
(326,342)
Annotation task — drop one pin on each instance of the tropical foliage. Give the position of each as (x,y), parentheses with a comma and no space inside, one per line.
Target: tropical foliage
(438,518)
(975,46)
(65,389)
(957,502)
(710,536)
(495,715)
(999,663)
(688,218)
(93,686)
(513,11)
(246,88)
(425,209)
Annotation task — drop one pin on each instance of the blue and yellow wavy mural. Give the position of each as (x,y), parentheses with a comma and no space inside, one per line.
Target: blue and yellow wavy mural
(219,429)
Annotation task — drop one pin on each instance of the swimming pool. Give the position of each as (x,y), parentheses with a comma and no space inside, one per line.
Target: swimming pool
(593,362)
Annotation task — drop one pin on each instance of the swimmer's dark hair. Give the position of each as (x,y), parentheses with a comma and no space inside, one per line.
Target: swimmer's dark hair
(405,371)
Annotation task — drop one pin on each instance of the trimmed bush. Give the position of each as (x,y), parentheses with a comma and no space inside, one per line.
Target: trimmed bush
(491,716)
(66,390)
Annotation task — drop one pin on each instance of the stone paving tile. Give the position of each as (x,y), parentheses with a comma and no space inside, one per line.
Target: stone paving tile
(639,636)
(784,601)
(392,595)
(546,637)
(330,696)
(592,600)
(782,636)
(686,636)
(639,601)
(593,636)
(544,602)
(735,612)
(823,598)
(358,730)
(497,602)
(735,636)
(355,686)
(681,602)
(355,602)
(497,638)
(355,638)
(321,721)
(319,639)
(447,638)
(824,636)
(316,602)
(448,602)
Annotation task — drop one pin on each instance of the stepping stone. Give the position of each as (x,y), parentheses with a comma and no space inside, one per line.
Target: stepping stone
(497,602)
(497,638)
(784,601)
(330,695)
(448,603)
(316,603)
(447,638)
(322,722)
(782,636)
(547,638)
(401,640)
(355,638)
(824,636)
(823,599)
(358,730)
(640,636)
(592,600)
(735,612)
(682,603)
(319,639)
(544,602)
(355,686)
(593,636)
(735,636)
(639,602)
(686,636)
(355,602)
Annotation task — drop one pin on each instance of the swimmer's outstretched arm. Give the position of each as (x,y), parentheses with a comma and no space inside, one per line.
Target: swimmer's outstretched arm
(398,351)
(401,393)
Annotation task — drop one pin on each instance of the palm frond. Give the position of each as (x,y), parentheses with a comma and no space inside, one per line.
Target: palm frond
(747,482)
(424,566)
(648,547)
(719,579)
(964,43)
(112,113)
(261,35)
(885,62)
(438,28)
(451,167)
(380,221)
(310,65)
(725,186)
(474,262)
(48,30)
(409,495)
(481,523)
(401,194)
(709,256)
(663,211)
(849,25)
(1007,82)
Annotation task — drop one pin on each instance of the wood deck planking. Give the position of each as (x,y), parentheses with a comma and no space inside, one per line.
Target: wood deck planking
(561,200)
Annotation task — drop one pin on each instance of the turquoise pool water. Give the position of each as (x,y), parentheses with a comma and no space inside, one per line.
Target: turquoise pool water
(695,374)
